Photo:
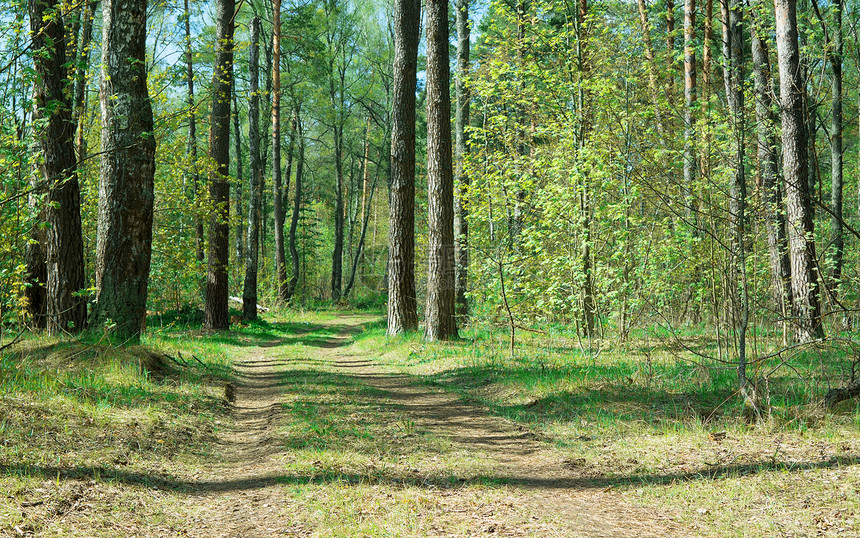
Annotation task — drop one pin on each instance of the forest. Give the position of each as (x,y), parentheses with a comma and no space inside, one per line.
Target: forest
(584,218)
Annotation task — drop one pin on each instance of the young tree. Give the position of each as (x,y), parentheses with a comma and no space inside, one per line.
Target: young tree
(217,315)
(440,322)
(127,173)
(402,307)
(277,183)
(191,147)
(66,308)
(806,309)
(249,290)
(297,203)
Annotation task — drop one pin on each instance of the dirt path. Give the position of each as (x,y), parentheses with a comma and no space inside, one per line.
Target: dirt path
(533,494)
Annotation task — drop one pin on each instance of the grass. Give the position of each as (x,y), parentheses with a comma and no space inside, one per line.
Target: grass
(103,441)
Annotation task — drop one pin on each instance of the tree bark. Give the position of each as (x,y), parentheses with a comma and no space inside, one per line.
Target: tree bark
(297,204)
(836,161)
(66,309)
(440,322)
(689,104)
(252,244)
(79,101)
(191,147)
(126,190)
(34,257)
(768,161)
(217,314)
(806,310)
(237,197)
(652,63)
(402,304)
(461,222)
(277,183)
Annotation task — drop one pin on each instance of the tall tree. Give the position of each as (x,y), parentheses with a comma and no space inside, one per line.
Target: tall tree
(191,147)
(402,305)
(217,315)
(806,309)
(127,172)
(689,105)
(297,203)
(237,195)
(79,101)
(66,308)
(277,182)
(768,162)
(461,222)
(440,322)
(252,244)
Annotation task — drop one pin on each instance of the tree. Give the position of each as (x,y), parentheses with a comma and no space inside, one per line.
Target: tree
(402,309)
(806,309)
(461,221)
(277,182)
(127,173)
(217,315)
(66,307)
(297,203)
(252,245)
(440,322)
(191,147)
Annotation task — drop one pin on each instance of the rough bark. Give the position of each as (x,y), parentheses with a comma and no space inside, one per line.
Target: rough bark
(402,304)
(440,322)
(217,314)
(768,162)
(461,222)
(34,258)
(66,309)
(277,183)
(252,243)
(806,310)
(127,173)
(652,63)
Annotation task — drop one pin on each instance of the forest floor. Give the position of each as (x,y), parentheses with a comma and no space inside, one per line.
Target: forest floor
(327,428)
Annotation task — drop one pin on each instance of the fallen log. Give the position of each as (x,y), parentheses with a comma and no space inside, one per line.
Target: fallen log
(834,396)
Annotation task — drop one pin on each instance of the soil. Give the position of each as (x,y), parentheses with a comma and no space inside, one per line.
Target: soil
(242,496)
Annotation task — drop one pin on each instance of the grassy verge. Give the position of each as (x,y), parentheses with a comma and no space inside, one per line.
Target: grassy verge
(664,426)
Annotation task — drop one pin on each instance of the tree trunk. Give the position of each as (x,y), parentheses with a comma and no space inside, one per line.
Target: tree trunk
(237,150)
(836,164)
(733,76)
(652,63)
(34,257)
(297,204)
(277,183)
(689,104)
(461,223)
(806,310)
(127,173)
(66,309)
(440,323)
(191,147)
(79,101)
(217,314)
(249,290)
(402,309)
(337,253)
(768,161)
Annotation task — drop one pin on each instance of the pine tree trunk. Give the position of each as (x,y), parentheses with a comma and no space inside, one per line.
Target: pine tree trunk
(277,183)
(461,222)
(249,290)
(806,310)
(440,323)
(402,305)
(337,252)
(217,314)
(127,173)
(66,310)
(34,257)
